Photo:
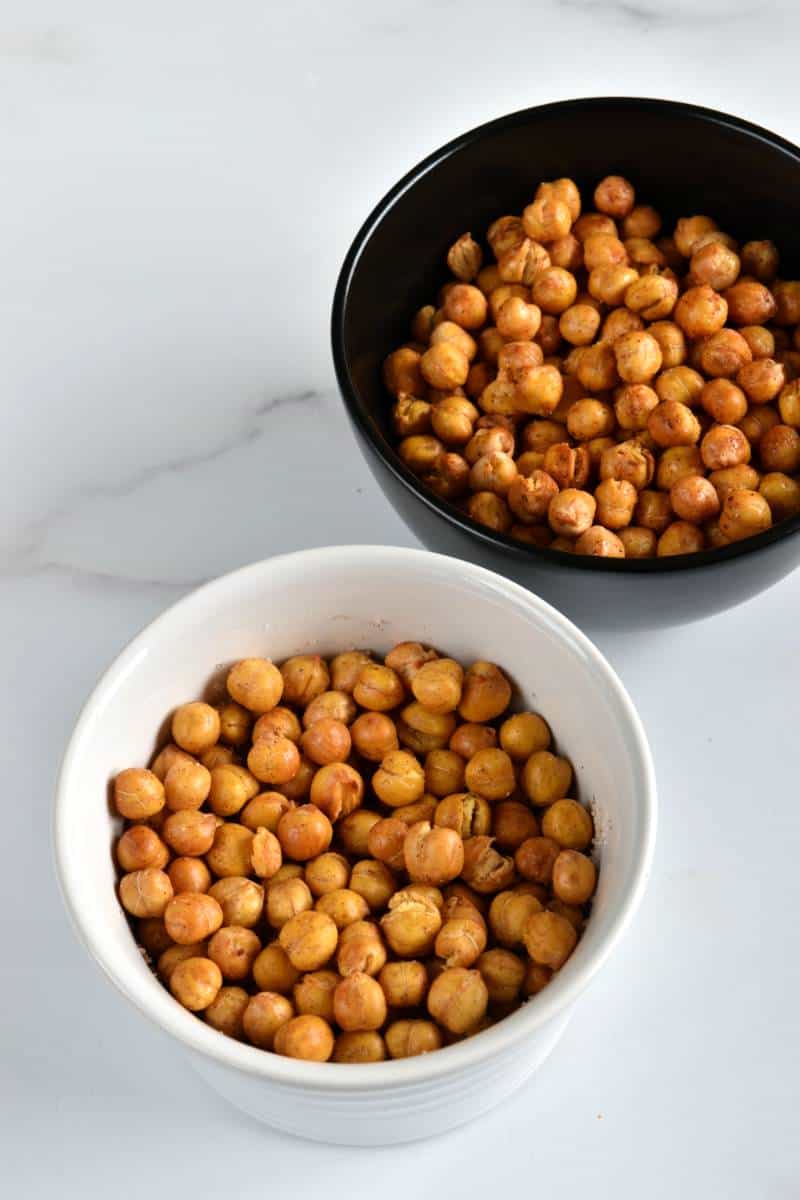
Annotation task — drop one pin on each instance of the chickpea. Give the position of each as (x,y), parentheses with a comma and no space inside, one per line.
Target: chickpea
(289,870)
(374,881)
(305,1037)
(554,289)
(688,230)
(680,538)
(744,514)
(674,463)
(760,259)
(493,473)
(508,915)
(309,939)
(192,917)
(195,727)
(264,811)
(571,912)
(750,303)
(724,353)
(406,1039)
(517,319)
(762,380)
(195,983)
(444,772)
(189,875)
(453,420)
(614,196)
(549,336)
(360,948)
(165,758)
(591,223)
(465,813)
(279,722)
(724,446)
(411,923)
(568,823)
(464,305)
(186,785)
(432,855)
(326,741)
(538,390)
(230,788)
(353,831)
(537,977)
(671,339)
(782,494)
(188,832)
(345,669)
(152,935)
(378,688)
(359,1047)
(579,324)
(490,510)
(701,311)
(471,737)
(571,512)
(724,402)
(274,760)
(234,949)
(616,501)
(730,478)
(610,283)
(566,252)
(590,418)
(240,899)
(638,357)
(694,499)
(638,542)
(503,974)
(401,372)
(327,873)
(458,999)
(399,780)
(549,939)
(627,461)
(265,854)
(534,859)
(633,404)
(226,1012)
(760,340)
(715,265)
(523,734)
(343,906)
(231,850)
(602,250)
(286,899)
(485,441)
(411,416)
(521,262)
(464,258)
(405,984)
(146,893)
(574,877)
(485,869)
(780,449)
(652,296)
(272,970)
(756,421)
(304,832)
(141,847)
(673,424)
(461,940)
(619,322)
(265,1015)
(138,794)
(490,774)
(385,842)
(359,1003)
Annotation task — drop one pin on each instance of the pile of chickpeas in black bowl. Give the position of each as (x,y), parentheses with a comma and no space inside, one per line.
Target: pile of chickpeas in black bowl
(585,373)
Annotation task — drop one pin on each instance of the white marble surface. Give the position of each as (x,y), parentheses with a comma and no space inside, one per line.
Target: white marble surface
(179,186)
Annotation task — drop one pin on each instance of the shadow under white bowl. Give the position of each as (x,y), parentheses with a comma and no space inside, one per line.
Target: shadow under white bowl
(331,600)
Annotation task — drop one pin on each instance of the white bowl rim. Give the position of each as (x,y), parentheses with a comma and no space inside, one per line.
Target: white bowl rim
(560,994)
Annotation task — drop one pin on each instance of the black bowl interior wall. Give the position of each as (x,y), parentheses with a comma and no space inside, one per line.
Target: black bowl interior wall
(680,158)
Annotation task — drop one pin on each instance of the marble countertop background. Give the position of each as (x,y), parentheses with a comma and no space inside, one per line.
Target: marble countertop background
(179,185)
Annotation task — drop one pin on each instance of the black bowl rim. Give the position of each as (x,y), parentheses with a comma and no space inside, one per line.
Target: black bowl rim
(443,508)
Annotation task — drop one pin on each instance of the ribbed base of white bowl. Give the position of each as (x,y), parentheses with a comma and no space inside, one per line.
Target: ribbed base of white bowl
(397,1114)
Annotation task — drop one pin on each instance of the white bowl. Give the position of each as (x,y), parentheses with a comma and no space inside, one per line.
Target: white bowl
(331,600)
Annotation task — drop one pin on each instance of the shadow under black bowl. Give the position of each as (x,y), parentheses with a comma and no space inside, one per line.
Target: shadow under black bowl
(682,159)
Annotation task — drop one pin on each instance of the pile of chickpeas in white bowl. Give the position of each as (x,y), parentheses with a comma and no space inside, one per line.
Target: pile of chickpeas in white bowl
(591,386)
(355,859)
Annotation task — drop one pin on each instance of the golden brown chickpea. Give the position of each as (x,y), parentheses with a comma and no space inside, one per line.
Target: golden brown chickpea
(412,922)
(360,1047)
(230,788)
(192,917)
(264,811)
(486,693)
(256,685)
(518,320)
(694,499)
(715,264)
(723,401)
(272,971)
(724,446)
(353,831)
(688,230)
(674,463)
(591,223)
(484,441)
(680,384)
(485,869)
(566,252)
(286,899)
(523,734)
(231,850)
(453,420)
(313,993)
(779,449)
(189,832)
(590,418)
(195,983)
(579,324)
(304,832)
(151,933)
(141,847)
(724,353)
(782,494)
(610,283)
(529,497)
(266,1013)
(437,684)
(652,296)
(405,984)
(343,906)
(680,538)
(138,794)
(546,777)
(744,514)
(306,1037)
(399,780)
(374,881)
(195,727)
(603,250)
(488,509)
(374,736)
(309,939)
(464,305)
(638,542)
(760,340)
(672,342)
(226,1012)
(574,877)
(616,500)
(549,939)
(617,323)
(731,478)
(521,262)
(493,473)
(762,380)
(147,893)
(554,289)
(241,900)
(490,774)
(186,785)
(458,999)
(279,722)
(701,311)
(627,461)
(512,823)
(760,259)
(411,416)
(464,258)
(642,221)
(274,760)
(401,372)
(360,948)
(571,512)
(305,676)
(508,915)
(445,365)
(326,741)
(535,857)
(331,706)
(385,842)
(432,855)
(750,303)
(614,196)
(444,772)
(234,949)
(600,542)
(503,973)
(359,1003)
(633,404)
(638,357)
(378,688)
(462,938)
(289,870)
(756,421)
(266,857)
(568,823)
(327,873)
(406,1039)
(538,390)
(345,669)
(189,875)
(337,790)
(167,757)
(471,737)
(464,812)
(537,977)
(673,424)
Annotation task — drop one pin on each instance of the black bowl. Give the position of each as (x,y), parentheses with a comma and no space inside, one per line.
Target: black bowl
(683,159)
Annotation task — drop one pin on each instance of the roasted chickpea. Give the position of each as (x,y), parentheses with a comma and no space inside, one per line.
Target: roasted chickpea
(571,512)
(610,283)
(503,973)
(756,421)
(152,935)
(464,258)
(147,893)
(309,939)
(192,917)
(189,833)
(226,1012)
(680,537)
(412,922)
(234,949)
(701,311)
(715,264)
(638,542)
(453,420)
(523,734)
(724,446)
(488,509)
(762,380)
(359,1047)
(286,899)
(406,1039)
(432,855)
(343,906)
(486,693)
(673,424)
(574,877)
(195,727)
(230,788)
(195,983)
(779,449)
(272,970)
(688,230)
(240,899)
(600,543)
(485,869)
(723,401)
(405,984)
(458,999)
(462,939)
(549,939)
(411,417)
(445,365)
(264,811)
(579,324)
(138,794)
(724,353)
(141,847)
(327,873)
(694,499)
(186,785)
(568,823)
(345,669)
(378,688)
(466,306)
(638,357)
(306,1037)
(374,736)
(189,875)
(274,760)
(680,384)
(359,1003)
(512,823)
(760,259)
(444,772)
(508,915)
(374,881)
(616,500)
(674,463)
(590,418)
(353,831)
(166,757)
(633,404)
(750,303)
(617,323)
(652,296)
(730,478)
(401,372)
(360,948)
(538,390)
(231,850)
(465,813)
(546,777)
(385,842)
(304,832)
(782,494)
(471,737)
(591,223)
(534,859)
(490,774)
(614,196)
(672,342)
